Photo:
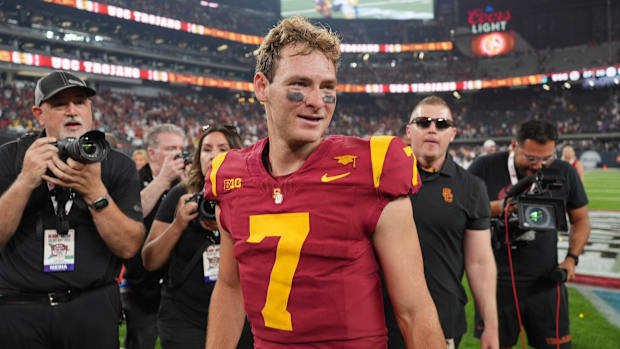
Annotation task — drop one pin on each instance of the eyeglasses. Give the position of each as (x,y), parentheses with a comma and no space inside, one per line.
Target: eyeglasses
(534,159)
(228,127)
(426,121)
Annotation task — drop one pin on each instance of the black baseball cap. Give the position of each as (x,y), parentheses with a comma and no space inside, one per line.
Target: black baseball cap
(55,82)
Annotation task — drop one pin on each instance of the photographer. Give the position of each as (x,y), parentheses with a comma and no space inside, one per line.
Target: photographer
(534,256)
(65,227)
(186,242)
(141,292)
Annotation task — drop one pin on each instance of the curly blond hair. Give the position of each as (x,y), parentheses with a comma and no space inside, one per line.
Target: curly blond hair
(296,30)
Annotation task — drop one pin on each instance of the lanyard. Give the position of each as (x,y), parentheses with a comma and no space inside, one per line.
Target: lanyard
(68,203)
(511,168)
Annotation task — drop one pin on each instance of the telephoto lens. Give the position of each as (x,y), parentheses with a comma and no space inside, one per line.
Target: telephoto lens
(91,147)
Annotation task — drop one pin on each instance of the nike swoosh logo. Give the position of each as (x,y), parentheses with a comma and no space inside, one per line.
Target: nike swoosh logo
(327,178)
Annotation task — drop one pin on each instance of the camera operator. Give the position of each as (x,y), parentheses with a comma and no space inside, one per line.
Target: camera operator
(65,228)
(536,258)
(141,291)
(190,247)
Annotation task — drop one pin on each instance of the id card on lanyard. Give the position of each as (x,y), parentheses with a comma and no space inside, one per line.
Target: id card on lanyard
(58,251)
(211,262)
(59,246)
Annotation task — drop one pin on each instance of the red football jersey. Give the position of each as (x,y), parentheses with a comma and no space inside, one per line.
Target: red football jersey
(307,266)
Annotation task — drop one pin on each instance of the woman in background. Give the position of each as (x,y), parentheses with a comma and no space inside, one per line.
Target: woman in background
(190,248)
(568,155)
(139,157)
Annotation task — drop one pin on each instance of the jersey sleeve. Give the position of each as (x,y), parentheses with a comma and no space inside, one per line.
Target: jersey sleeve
(394,167)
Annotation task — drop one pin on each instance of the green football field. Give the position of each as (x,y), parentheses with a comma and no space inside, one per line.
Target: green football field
(603,189)
(386,9)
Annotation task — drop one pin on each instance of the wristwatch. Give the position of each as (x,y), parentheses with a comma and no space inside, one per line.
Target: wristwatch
(99,203)
(573,256)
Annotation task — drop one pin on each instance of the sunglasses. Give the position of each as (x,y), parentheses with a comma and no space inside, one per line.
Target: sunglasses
(228,127)
(426,121)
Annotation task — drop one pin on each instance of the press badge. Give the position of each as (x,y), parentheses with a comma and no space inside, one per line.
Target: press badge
(211,262)
(58,251)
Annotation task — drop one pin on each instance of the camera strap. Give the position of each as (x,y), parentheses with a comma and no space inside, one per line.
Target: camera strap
(62,199)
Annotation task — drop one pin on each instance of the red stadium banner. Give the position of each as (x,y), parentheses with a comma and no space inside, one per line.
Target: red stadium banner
(372,48)
(198,29)
(160,21)
(120,71)
(76,65)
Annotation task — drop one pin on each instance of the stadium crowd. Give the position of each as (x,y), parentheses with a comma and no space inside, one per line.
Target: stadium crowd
(486,114)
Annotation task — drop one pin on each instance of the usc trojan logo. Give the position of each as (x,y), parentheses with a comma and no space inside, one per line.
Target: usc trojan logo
(447,195)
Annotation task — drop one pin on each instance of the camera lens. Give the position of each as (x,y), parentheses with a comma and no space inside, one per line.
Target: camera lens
(89,147)
(538,216)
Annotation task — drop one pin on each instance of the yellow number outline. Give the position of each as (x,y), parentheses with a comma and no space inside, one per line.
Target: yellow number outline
(293,229)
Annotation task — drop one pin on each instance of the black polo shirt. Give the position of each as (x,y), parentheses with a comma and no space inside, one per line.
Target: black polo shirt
(139,281)
(449,202)
(21,259)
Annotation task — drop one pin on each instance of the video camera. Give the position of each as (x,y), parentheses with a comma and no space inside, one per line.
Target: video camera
(537,210)
(206,208)
(89,148)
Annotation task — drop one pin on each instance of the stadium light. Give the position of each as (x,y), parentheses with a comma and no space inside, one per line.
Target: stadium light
(567,85)
(456,94)
(353,65)
(546,87)
(223,47)
(366,56)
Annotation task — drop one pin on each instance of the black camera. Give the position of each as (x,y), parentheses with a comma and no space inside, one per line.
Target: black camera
(206,208)
(186,156)
(537,210)
(89,148)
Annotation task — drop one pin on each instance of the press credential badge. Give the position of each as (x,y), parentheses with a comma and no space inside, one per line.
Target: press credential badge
(58,251)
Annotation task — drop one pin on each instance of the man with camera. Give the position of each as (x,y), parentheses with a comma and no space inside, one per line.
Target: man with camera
(141,292)
(455,245)
(66,226)
(529,173)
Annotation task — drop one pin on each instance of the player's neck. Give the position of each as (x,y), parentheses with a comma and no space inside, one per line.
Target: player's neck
(285,158)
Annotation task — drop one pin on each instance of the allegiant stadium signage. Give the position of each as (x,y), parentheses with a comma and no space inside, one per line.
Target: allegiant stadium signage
(487,20)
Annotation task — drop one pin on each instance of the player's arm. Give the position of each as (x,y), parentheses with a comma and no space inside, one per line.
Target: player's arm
(579,234)
(396,240)
(226,313)
(482,276)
